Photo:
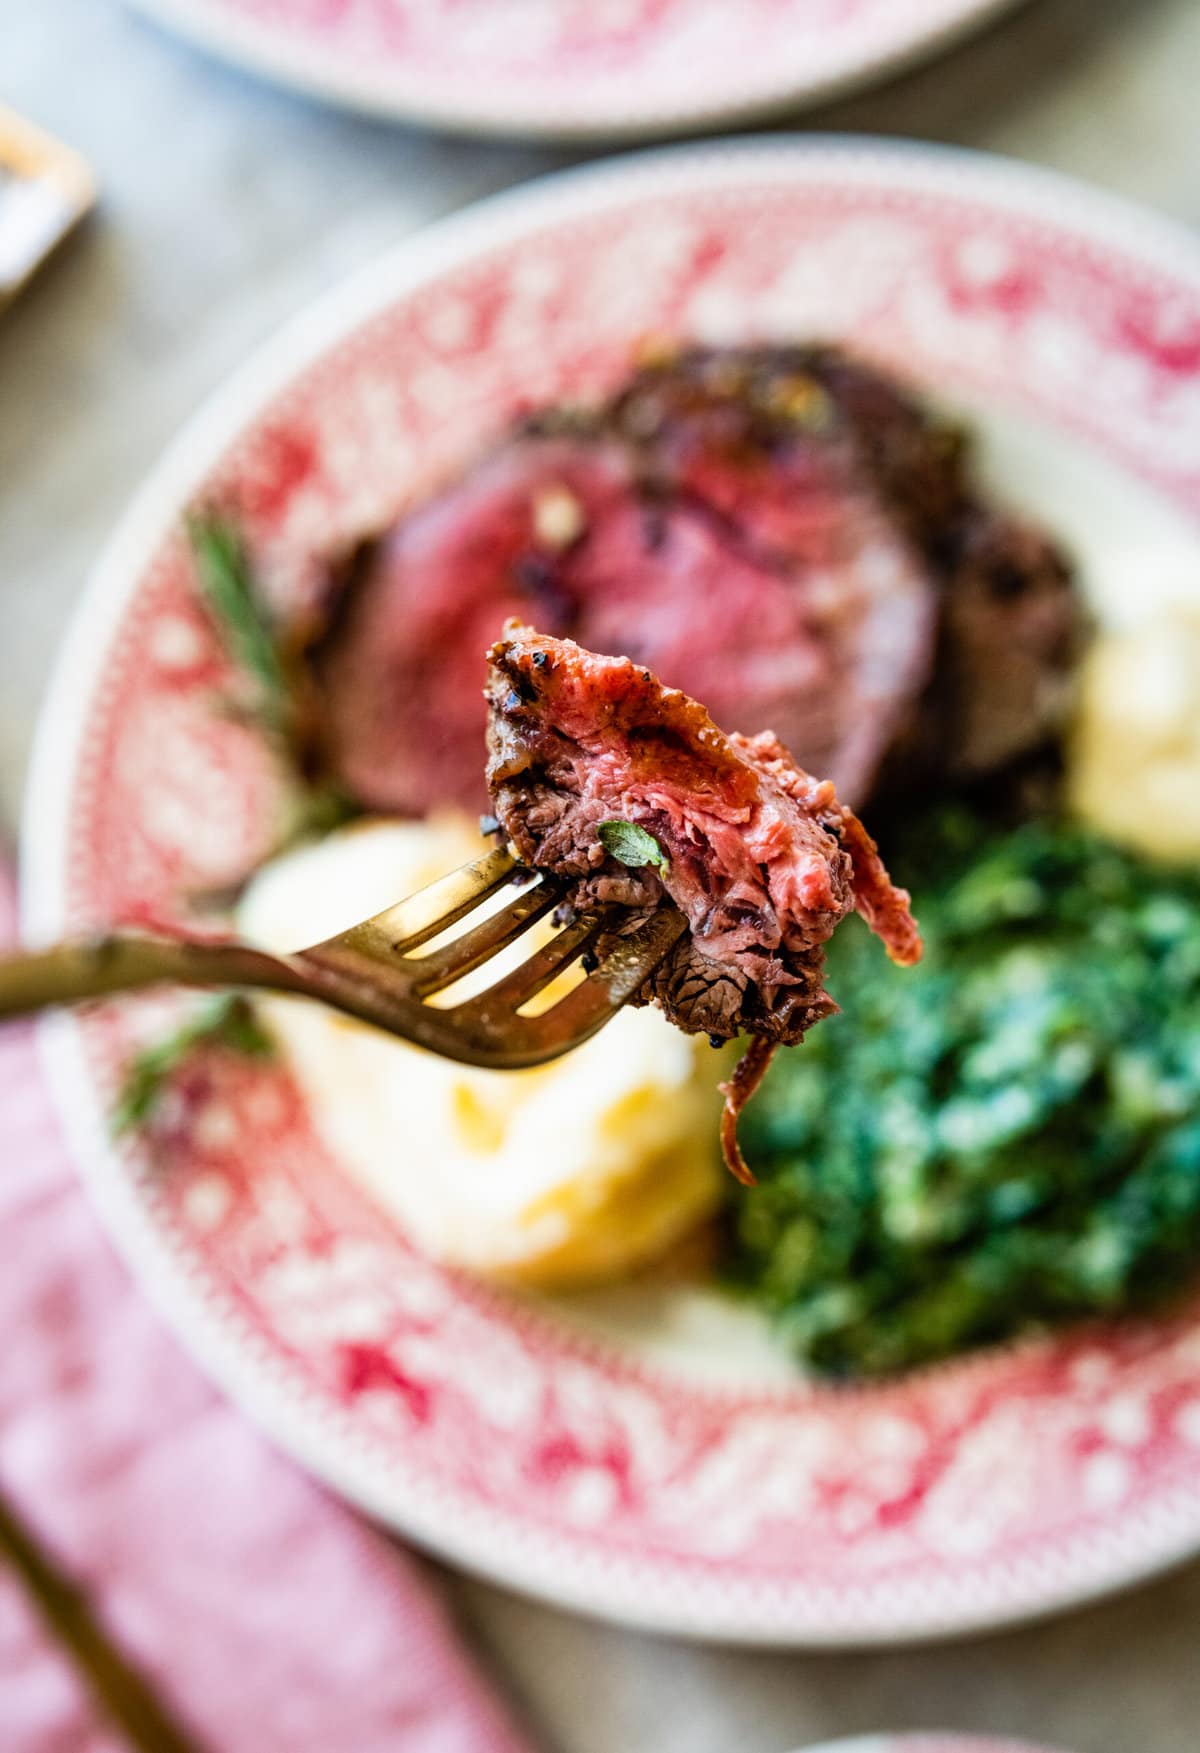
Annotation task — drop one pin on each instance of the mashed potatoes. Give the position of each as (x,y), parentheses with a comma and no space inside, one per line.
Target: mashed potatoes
(1135,772)
(571,1172)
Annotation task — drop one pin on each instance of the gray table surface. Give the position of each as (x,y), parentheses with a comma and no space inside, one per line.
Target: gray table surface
(228,206)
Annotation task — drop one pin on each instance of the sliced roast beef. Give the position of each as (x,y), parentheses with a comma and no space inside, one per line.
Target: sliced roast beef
(779,531)
(400,671)
(627,791)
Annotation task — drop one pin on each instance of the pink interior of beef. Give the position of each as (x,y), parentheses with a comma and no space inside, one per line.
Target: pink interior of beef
(790,600)
(782,532)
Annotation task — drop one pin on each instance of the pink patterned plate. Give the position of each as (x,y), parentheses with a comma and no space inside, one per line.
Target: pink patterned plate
(573,68)
(646,1455)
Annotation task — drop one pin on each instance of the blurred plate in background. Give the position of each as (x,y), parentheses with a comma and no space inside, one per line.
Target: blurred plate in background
(585,69)
(930,1743)
(645,1454)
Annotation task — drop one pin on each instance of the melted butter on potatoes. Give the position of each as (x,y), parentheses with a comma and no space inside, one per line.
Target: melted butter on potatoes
(568,1173)
(1135,767)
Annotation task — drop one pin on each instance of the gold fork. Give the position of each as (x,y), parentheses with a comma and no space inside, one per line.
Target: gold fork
(371,971)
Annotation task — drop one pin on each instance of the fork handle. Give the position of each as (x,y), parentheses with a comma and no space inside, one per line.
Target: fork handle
(122,962)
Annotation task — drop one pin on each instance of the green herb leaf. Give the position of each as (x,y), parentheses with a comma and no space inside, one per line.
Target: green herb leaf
(631,845)
(228,587)
(227,1021)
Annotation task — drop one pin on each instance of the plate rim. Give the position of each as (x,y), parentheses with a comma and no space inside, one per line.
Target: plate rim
(240,45)
(280,1408)
(922,1741)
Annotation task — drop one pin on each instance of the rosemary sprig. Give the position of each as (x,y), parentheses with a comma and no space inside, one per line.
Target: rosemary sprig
(279,707)
(225,1021)
(225,578)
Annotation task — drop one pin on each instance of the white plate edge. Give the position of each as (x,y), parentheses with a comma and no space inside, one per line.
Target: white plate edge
(240,45)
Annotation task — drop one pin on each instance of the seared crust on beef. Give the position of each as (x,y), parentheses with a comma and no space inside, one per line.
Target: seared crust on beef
(716,999)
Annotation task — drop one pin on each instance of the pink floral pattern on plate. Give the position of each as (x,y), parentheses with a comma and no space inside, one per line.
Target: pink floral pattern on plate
(583,67)
(970,1495)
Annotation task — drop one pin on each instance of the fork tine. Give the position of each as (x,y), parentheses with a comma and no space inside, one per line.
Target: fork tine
(486,1034)
(412,922)
(581,1011)
(537,971)
(442,967)
(368,973)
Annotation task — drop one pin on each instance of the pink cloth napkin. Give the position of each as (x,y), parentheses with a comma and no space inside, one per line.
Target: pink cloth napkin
(267,1616)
